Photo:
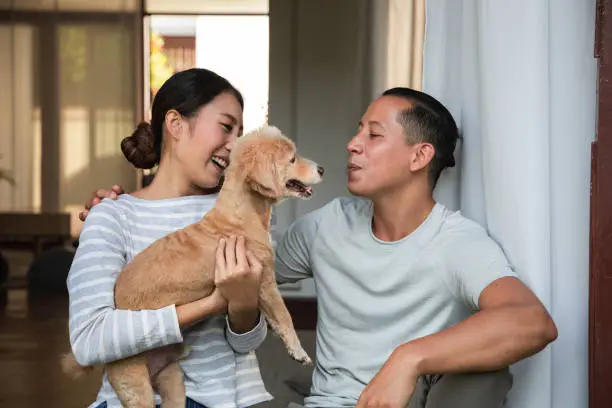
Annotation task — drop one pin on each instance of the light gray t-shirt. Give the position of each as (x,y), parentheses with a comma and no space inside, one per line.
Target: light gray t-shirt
(373,295)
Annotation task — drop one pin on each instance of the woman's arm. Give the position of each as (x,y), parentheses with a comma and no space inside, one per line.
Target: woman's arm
(99,333)
(245,326)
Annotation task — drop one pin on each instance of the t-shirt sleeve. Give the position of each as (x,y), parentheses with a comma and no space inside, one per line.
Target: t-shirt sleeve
(100,333)
(292,260)
(474,262)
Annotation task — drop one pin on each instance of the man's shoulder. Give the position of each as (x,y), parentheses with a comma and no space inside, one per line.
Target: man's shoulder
(345,209)
(457,223)
(461,240)
(339,206)
(347,206)
(458,231)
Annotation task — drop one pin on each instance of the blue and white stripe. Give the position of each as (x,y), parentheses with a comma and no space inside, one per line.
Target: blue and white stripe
(221,370)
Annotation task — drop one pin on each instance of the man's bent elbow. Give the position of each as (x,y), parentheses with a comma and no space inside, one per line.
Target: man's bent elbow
(550,330)
(546,328)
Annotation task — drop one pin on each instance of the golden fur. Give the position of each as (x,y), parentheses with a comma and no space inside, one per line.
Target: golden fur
(261,165)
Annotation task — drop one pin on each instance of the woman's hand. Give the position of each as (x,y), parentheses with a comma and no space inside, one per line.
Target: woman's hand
(238,277)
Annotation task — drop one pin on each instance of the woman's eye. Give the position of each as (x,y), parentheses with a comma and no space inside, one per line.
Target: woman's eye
(292,160)
(373,135)
(226,127)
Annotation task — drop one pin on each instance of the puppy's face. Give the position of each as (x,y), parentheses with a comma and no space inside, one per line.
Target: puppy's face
(270,165)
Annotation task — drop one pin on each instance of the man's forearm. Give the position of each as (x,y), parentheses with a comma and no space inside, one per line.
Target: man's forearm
(489,340)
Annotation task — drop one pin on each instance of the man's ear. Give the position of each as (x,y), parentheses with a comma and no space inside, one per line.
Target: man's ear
(263,178)
(423,155)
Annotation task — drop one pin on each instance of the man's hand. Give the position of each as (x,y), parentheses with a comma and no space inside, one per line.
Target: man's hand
(394,384)
(96,198)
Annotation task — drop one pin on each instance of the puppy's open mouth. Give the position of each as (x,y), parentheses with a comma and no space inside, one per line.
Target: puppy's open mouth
(300,188)
(220,162)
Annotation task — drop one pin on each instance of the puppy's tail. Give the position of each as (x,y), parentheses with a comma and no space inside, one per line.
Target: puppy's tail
(72,368)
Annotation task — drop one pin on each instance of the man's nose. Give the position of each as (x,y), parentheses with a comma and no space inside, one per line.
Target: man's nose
(354,146)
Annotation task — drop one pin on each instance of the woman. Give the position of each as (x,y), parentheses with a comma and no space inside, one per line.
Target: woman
(196,118)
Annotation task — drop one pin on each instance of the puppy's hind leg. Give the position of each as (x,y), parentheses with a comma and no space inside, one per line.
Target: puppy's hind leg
(130,380)
(275,310)
(171,386)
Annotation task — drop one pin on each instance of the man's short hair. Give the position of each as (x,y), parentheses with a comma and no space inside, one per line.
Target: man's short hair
(428,121)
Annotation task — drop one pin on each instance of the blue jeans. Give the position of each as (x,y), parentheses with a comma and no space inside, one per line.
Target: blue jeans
(190,404)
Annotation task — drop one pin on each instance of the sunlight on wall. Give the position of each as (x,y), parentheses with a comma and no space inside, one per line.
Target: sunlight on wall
(6,113)
(37,160)
(97,110)
(111,126)
(19,123)
(75,141)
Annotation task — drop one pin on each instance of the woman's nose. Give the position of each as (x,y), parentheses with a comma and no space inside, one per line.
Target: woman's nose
(231,144)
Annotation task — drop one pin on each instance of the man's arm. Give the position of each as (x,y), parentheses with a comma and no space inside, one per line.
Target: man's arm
(293,251)
(511,324)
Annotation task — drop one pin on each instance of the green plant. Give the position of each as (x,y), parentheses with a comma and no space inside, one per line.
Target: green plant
(160,70)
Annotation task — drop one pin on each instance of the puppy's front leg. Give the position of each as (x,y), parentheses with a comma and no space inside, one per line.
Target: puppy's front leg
(275,310)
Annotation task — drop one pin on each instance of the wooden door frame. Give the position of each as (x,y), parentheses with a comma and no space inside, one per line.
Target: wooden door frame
(600,292)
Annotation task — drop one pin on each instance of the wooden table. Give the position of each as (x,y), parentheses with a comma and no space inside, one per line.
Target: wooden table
(31,231)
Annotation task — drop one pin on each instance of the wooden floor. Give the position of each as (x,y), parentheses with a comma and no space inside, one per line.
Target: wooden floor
(34,335)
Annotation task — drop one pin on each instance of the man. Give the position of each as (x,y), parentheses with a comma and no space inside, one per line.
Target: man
(418,306)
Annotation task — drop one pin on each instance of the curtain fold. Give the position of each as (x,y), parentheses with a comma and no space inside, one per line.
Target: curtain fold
(520,78)
(398,28)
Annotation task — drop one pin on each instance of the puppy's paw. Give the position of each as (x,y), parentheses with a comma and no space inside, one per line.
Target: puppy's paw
(300,356)
(306,362)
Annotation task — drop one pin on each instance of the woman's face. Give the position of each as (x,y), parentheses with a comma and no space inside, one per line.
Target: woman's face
(207,139)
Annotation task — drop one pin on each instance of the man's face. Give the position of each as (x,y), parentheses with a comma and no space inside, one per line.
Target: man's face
(380,160)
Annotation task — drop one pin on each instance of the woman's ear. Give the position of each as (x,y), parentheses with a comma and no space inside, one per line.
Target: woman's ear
(174,124)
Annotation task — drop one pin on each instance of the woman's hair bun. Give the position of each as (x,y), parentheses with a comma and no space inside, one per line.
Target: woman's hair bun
(451,161)
(139,148)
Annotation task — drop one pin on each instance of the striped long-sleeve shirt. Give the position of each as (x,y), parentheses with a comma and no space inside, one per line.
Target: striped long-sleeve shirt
(221,370)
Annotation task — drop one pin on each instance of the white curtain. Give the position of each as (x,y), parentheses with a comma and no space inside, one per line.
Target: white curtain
(19,118)
(520,78)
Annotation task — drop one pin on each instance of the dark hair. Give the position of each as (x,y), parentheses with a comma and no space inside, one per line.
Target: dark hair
(427,120)
(186,92)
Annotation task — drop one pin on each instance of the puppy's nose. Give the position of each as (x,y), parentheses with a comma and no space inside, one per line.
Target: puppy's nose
(320,170)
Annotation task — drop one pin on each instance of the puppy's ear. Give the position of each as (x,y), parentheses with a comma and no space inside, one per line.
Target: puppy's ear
(263,177)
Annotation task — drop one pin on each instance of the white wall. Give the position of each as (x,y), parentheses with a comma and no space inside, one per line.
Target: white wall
(236,47)
(319,88)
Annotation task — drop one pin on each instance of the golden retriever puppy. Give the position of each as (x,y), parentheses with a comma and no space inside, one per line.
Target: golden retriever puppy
(264,168)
